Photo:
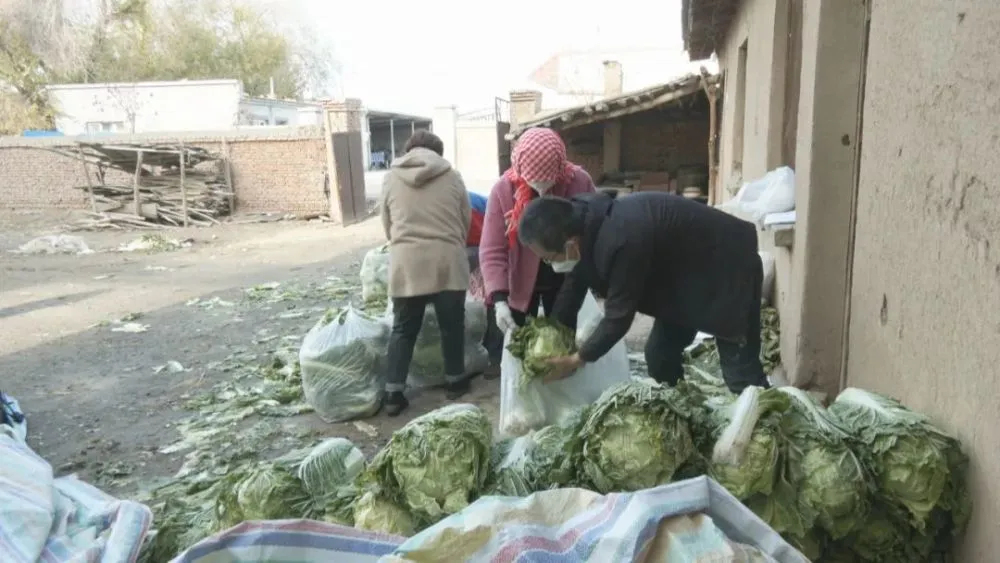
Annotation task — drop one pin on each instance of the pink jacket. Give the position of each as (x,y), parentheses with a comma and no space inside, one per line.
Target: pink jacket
(514,269)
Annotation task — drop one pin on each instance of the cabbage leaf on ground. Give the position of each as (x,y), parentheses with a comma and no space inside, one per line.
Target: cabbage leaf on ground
(538,341)
(634,438)
(437,463)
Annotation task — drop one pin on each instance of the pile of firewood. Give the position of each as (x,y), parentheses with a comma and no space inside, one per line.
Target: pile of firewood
(170,185)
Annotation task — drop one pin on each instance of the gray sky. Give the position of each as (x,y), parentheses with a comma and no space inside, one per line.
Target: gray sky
(411,56)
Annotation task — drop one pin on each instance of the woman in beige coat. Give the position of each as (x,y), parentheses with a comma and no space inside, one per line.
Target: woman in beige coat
(426,214)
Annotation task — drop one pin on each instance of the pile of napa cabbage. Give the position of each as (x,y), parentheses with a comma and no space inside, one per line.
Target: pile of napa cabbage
(865,480)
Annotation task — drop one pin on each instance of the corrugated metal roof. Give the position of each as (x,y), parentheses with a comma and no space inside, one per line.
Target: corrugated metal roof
(617,106)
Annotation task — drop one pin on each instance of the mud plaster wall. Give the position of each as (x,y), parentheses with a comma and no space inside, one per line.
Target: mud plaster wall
(925,299)
(280,170)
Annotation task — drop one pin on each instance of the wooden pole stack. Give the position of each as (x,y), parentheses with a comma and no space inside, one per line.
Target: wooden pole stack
(168,185)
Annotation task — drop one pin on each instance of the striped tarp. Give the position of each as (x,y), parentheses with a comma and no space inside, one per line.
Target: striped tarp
(291,541)
(61,520)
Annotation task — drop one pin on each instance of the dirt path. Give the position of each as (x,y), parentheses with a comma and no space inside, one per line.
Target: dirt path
(104,404)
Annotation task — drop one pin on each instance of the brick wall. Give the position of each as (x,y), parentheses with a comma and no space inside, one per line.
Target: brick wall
(274,170)
(651,142)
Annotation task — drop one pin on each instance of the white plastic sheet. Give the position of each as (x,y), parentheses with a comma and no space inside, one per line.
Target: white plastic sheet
(526,407)
(375,274)
(342,367)
(772,193)
(427,365)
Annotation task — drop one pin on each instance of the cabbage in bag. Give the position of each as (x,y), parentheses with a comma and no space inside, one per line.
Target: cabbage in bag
(333,464)
(375,274)
(341,363)
(634,438)
(437,463)
(538,341)
(427,365)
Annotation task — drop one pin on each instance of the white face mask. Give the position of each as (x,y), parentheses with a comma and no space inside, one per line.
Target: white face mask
(541,187)
(564,267)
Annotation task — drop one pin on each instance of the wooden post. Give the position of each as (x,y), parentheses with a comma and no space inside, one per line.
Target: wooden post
(713,167)
(135,185)
(184,197)
(86,174)
(229,176)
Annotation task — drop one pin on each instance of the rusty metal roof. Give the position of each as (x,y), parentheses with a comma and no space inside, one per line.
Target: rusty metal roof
(617,106)
(704,24)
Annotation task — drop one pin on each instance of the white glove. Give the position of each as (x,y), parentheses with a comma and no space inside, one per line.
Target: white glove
(505,320)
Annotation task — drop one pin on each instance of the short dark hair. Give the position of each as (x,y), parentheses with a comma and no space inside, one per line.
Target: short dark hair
(549,222)
(422,138)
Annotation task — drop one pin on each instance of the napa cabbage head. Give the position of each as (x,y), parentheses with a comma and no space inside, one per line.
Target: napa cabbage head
(634,438)
(916,465)
(538,341)
(265,492)
(437,463)
(745,459)
(376,513)
(831,481)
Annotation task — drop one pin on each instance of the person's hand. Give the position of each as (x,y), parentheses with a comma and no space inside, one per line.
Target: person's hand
(563,367)
(505,319)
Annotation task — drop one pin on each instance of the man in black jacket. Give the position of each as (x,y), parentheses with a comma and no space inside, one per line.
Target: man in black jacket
(689,266)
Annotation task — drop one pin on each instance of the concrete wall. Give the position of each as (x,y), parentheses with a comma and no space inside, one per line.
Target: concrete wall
(926,278)
(477,154)
(274,170)
(143,107)
(762,26)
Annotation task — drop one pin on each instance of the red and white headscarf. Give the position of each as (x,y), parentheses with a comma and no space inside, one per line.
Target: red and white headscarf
(538,156)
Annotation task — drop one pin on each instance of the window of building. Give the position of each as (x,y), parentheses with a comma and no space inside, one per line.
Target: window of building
(94,127)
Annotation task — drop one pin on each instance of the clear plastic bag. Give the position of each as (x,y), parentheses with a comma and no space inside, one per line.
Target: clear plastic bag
(375,274)
(427,365)
(772,193)
(342,365)
(524,408)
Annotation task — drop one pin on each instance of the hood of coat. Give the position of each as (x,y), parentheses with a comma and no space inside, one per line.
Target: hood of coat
(419,166)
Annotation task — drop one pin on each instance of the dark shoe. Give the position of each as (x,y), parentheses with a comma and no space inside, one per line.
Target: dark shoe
(395,403)
(492,372)
(456,389)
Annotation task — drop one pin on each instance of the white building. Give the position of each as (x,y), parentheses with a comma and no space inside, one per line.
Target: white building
(170,106)
(145,107)
(279,113)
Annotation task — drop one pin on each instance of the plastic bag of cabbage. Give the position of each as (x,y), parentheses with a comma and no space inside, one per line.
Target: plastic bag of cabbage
(341,363)
(427,365)
(434,465)
(375,274)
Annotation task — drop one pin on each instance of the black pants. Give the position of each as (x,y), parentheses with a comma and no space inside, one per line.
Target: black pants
(740,361)
(546,298)
(408,316)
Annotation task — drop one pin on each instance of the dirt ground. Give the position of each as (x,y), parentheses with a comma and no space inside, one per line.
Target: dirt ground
(98,398)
